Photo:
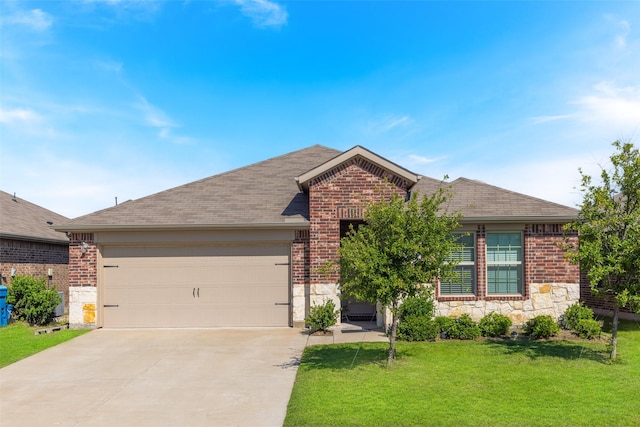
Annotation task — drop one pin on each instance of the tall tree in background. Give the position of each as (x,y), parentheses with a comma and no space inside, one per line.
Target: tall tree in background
(608,227)
(401,246)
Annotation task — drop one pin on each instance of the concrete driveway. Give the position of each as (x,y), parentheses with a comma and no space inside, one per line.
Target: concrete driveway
(208,377)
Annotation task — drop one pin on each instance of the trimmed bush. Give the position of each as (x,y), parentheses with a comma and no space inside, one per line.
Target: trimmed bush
(32,301)
(415,315)
(464,328)
(541,327)
(421,306)
(575,313)
(322,317)
(444,324)
(494,325)
(588,328)
(417,328)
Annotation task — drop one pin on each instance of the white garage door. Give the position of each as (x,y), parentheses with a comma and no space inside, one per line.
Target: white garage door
(195,286)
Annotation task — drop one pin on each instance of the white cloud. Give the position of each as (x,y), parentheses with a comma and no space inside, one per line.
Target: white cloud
(544,119)
(153,115)
(35,19)
(605,105)
(388,123)
(165,133)
(158,119)
(18,116)
(623,30)
(264,13)
(610,104)
(415,159)
(395,122)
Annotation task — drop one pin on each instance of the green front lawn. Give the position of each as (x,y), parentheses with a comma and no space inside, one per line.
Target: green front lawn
(18,341)
(477,383)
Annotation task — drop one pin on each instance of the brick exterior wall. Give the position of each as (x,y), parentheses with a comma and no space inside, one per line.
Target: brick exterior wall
(83,267)
(34,259)
(545,260)
(342,194)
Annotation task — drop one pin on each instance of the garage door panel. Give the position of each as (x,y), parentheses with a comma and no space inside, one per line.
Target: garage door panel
(199,286)
(272,292)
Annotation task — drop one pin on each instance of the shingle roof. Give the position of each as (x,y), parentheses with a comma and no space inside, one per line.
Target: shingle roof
(476,200)
(262,193)
(23,220)
(266,194)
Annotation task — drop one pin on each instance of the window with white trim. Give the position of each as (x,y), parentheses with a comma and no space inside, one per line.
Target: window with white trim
(504,264)
(465,276)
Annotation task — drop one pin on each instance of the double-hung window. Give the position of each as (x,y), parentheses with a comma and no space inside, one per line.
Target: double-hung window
(464,281)
(504,264)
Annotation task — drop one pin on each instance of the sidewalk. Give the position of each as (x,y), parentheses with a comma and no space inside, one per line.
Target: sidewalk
(353,332)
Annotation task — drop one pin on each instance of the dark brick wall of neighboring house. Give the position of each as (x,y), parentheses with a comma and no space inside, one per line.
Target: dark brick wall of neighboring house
(83,267)
(34,259)
(595,303)
(342,194)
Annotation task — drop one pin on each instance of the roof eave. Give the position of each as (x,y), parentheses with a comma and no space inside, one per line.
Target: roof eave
(523,219)
(34,239)
(290,225)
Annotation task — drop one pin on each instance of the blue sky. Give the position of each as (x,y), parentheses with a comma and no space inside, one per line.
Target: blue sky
(117,98)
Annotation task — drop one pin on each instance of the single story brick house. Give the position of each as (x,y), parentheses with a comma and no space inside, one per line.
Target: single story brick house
(28,245)
(247,247)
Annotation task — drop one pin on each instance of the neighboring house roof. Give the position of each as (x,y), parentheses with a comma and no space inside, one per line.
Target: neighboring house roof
(23,220)
(268,194)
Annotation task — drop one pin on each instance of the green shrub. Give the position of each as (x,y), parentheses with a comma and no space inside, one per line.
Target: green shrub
(417,328)
(31,300)
(444,325)
(494,325)
(421,306)
(541,327)
(575,313)
(588,328)
(464,328)
(322,317)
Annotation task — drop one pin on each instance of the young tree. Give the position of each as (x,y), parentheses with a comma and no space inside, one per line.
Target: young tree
(401,247)
(608,227)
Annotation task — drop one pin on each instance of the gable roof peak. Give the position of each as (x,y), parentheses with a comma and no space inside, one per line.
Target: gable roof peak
(357,151)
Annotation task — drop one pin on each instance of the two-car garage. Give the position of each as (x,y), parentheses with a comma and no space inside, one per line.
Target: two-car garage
(194,285)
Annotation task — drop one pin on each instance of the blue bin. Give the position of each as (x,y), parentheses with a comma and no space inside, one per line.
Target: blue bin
(4,309)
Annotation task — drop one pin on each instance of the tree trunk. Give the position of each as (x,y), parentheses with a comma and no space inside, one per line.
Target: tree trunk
(394,329)
(614,333)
